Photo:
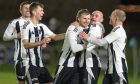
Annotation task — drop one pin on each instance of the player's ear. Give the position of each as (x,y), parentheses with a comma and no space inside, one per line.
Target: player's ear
(101,20)
(78,19)
(33,12)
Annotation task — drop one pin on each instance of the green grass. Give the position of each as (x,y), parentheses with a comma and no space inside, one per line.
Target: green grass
(7,75)
(130,79)
(7,78)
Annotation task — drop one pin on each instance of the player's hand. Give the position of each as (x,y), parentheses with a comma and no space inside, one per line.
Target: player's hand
(46,40)
(98,37)
(83,36)
(43,46)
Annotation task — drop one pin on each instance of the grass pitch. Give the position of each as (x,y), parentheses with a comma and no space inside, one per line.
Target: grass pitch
(7,75)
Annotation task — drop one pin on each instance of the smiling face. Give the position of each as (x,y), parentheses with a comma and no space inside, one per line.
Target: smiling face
(36,11)
(84,20)
(96,16)
(24,10)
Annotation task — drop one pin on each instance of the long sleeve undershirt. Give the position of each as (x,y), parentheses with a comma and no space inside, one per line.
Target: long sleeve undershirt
(99,42)
(72,36)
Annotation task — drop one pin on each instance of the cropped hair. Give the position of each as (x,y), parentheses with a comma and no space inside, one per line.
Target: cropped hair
(34,5)
(24,3)
(82,11)
(120,14)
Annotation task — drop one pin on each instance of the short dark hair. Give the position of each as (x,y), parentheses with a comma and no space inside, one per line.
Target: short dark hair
(82,11)
(24,3)
(34,5)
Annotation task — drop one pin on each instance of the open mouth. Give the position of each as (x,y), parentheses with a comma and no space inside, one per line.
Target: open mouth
(93,20)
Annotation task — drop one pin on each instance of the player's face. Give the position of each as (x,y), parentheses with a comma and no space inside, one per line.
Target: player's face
(96,17)
(112,19)
(25,10)
(84,20)
(39,12)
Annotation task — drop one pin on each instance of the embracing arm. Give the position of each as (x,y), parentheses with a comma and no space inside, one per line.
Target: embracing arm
(72,37)
(100,42)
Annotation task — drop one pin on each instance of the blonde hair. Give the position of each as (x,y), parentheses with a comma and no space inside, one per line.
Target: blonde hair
(80,12)
(120,14)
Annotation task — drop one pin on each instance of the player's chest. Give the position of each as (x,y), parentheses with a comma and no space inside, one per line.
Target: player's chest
(36,33)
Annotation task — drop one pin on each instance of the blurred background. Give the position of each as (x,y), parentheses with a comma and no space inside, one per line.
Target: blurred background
(58,15)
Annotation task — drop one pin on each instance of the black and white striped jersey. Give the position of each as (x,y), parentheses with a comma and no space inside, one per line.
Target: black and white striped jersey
(117,60)
(69,56)
(35,34)
(86,59)
(97,30)
(13,28)
(116,51)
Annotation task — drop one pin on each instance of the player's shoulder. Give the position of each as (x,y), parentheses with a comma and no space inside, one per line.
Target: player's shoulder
(118,29)
(73,28)
(42,25)
(27,24)
(14,21)
(93,25)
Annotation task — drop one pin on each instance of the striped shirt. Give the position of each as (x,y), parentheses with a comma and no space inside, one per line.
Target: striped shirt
(86,59)
(13,28)
(116,51)
(117,60)
(69,56)
(34,34)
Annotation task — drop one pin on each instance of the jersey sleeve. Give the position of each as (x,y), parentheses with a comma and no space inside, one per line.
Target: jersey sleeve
(112,37)
(72,36)
(47,31)
(95,41)
(10,32)
(95,31)
(25,32)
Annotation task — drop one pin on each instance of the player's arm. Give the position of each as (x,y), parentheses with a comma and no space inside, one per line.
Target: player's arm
(25,39)
(29,45)
(72,36)
(95,31)
(57,37)
(10,33)
(50,34)
(100,42)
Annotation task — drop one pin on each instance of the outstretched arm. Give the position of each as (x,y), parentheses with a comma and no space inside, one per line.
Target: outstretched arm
(57,37)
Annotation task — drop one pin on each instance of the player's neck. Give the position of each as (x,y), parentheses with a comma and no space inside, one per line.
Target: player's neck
(34,21)
(25,18)
(117,24)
